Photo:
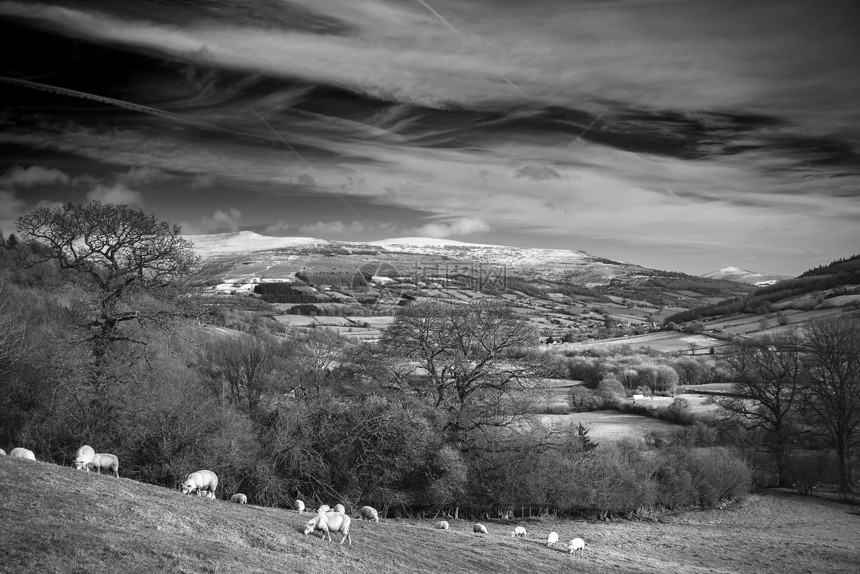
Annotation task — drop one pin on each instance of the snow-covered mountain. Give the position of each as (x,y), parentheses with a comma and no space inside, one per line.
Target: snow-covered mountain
(554,264)
(739,275)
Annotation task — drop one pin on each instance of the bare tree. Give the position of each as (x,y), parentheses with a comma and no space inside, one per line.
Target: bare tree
(129,262)
(14,346)
(240,369)
(769,379)
(832,365)
(458,355)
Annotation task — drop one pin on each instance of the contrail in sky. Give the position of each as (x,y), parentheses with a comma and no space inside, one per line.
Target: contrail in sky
(178,118)
(466,40)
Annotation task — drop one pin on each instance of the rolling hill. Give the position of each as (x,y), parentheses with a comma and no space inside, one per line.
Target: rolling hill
(236,262)
(54,519)
(743,276)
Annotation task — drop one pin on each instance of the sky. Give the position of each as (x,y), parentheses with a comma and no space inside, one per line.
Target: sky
(686,135)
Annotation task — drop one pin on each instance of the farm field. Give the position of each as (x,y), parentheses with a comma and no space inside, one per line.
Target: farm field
(55,520)
(350,327)
(663,341)
(609,425)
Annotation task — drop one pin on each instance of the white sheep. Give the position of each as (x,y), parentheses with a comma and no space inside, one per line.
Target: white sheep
(324,508)
(479,529)
(368,513)
(2,452)
(199,481)
(339,508)
(576,545)
(551,539)
(24,453)
(519,532)
(442,525)
(328,522)
(84,457)
(105,461)
(300,506)
(239,498)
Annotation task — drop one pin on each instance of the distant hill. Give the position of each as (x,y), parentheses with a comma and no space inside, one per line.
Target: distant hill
(743,276)
(836,285)
(345,278)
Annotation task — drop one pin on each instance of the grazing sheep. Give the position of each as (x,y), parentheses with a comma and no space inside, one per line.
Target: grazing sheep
(479,529)
(84,457)
(2,452)
(24,453)
(239,498)
(324,508)
(519,532)
(328,522)
(442,525)
(105,461)
(200,481)
(576,545)
(368,513)
(551,539)
(339,508)
(300,506)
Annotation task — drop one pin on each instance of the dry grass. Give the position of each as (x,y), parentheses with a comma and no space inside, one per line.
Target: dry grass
(55,519)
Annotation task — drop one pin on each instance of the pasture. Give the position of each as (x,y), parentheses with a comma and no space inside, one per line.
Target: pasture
(57,520)
(662,341)
(609,425)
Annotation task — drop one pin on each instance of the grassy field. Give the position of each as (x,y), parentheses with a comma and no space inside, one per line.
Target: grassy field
(57,520)
(606,426)
(663,341)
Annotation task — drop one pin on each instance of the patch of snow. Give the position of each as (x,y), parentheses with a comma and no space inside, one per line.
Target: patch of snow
(245,241)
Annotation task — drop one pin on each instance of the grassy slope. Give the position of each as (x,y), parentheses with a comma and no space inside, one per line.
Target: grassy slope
(55,519)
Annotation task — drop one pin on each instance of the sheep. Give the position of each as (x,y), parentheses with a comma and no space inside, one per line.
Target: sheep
(551,539)
(576,545)
(479,529)
(519,532)
(368,513)
(200,481)
(105,461)
(328,522)
(2,452)
(24,453)
(239,498)
(324,508)
(339,508)
(84,457)
(300,506)
(442,525)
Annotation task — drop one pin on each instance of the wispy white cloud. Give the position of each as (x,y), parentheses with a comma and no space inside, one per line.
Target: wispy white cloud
(115,193)
(18,176)
(222,221)
(203,181)
(141,175)
(453,228)
(338,229)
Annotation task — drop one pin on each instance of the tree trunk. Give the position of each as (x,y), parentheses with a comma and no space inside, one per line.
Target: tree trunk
(846,481)
(779,455)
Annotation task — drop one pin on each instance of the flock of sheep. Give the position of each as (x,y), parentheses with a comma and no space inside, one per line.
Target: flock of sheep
(85,459)
(327,520)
